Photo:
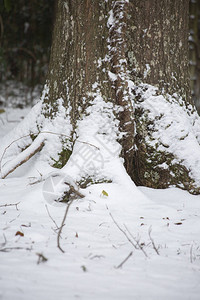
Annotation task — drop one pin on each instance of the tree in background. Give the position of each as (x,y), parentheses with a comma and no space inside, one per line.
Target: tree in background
(25,39)
(117,87)
(194,53)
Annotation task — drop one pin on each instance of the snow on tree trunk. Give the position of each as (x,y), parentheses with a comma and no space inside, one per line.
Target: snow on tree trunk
(89,58)
(118,85)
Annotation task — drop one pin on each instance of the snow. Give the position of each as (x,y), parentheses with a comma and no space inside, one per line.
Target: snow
(176,128)
(97,233)
(112,76)
(147,70)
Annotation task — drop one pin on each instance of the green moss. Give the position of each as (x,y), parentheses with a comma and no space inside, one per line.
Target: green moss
(33,136)
(63,157)
(87,181)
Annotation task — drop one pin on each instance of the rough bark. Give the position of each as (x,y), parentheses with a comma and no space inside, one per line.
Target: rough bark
(158,45)
(84,49)
(105,46)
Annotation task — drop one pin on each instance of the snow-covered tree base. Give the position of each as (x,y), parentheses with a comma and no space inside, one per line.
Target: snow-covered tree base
(167,143)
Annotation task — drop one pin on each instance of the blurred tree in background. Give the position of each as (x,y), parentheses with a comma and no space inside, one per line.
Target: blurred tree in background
(194,52)
(25,40)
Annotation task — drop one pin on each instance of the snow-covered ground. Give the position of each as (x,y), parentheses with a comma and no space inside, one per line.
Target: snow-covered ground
(118,242)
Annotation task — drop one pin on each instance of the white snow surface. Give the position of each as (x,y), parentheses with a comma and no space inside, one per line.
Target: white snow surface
(98,235)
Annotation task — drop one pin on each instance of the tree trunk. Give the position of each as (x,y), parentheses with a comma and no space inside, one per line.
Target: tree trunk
(86,51)
(124,65)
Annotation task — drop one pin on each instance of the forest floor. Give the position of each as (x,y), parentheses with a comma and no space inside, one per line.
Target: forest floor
(117,243)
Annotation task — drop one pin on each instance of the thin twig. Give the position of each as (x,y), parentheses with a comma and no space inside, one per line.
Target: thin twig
(137,242)
(12,204)
(14,219)
(7,249)
(22,137)
(61,134)
(123,262)
(124,232)
(152,241)
(62,225)
(41,258)
(51,217)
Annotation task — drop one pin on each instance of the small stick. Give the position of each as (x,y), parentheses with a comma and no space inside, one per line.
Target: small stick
(124,232)
(137,242)
(130,241)
(51,217)
(123,262)
(62,225)
(7,249)
(152,241)
(12,204)
(41,258)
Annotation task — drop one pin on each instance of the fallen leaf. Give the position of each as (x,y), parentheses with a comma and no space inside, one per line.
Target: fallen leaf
(104,193)
(19,233)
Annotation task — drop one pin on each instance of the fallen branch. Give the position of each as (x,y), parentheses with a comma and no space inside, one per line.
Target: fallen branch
(62,225)
(7,249)
(123,262)
(24,156)
(12,204)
